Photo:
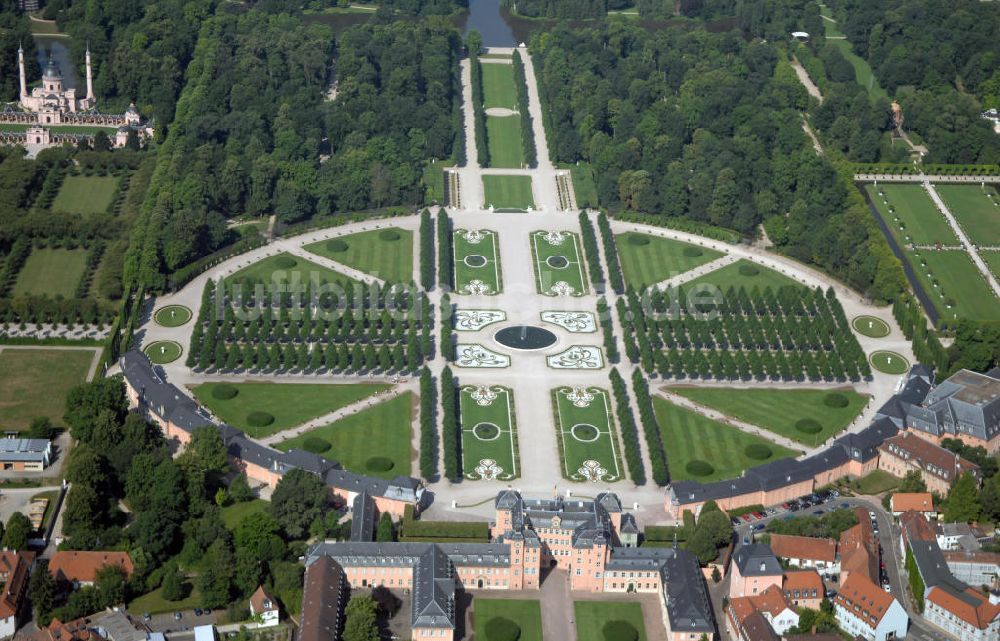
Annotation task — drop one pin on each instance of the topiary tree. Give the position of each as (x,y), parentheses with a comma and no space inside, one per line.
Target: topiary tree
(502,629)
(619,631)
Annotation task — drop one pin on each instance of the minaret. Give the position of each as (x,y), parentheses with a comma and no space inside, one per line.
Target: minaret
(90,77)
(20,65)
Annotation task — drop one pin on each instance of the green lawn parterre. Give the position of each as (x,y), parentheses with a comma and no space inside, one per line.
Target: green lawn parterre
(978,215)
(172,316)
(889,362)
(922,221)
(489,431)
(273,270)
(526,613)
(781,410)
(85,194)
(51,272)
(959,282)
(383,431)
(558,258)
(508,192)
(591,616)
(647,260)
(477,260)
(688,436)
(290,404)
(586,433)
(870,326)
(504,138)
(384,253)
(992,259)
(742,273)
(499,89)
(162,352)
(35,382)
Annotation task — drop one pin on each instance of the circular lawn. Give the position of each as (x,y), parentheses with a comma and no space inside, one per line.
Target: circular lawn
(502,629)
(870,326)
(162,352)
(557,262)
(746,269)
(585,433)
(486,431)
(889,362)
(619,631)
(836,399)
(315,445)
(474,260)
(224,391)
(693,252)
(172,316)
(259,419)
(285,262)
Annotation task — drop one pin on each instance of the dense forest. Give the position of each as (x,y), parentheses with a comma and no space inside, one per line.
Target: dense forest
(565,8)
(940,60)
(256,131)
(14,31)
(706,127)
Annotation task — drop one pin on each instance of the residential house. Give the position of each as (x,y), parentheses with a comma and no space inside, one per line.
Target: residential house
(865,609)
(859,550)
(264,608)
(754,569)
(920,502)
(771,604)
(806,552)
(966,614)
(960,536)
(975,568)
(938,467)
(15,570)
(79,568)
(804,588)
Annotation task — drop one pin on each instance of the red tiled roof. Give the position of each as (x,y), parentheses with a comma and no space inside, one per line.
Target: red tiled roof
(858,549)
(805,581)
(916,501)
(979,616)
(979,556)
(83,566)
(915,527)
(804,547)
(928,456)
(15,567)
(261,601)
(871,600)
(76,630)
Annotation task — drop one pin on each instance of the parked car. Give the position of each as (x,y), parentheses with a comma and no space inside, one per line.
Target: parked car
(871,514)
(177,616)
(818,512)
(845,505)
(758,515)
(746,518)
(197,612)
(759,527)
(146,616)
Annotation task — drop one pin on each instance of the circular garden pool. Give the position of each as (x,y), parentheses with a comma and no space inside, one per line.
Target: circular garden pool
(525,337)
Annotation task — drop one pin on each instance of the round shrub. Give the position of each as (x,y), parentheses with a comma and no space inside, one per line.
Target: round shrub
(259,419)
(502,629)
(379,464)
(619,631)
(749,270)
(337,246)
(808,426)
(697,467)
(757,451)
(284,262)
(690,252)
(315,445)
(389,234)
(638,240)
(225,391)
(836,399)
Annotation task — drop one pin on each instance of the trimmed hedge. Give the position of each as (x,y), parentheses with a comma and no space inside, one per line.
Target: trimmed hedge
(611,254)
(445,251)
(389,235)
(608,330)
(379,464)
(337,246)
(758,451)
(482,142)
(428,426)
(619,631)
(426,250)
(650,427)
(626,422)
(451,440)
(285,262)
(698,467)
(836,399)
(411,529)
(502,629)
(808,426)
(527,131)
(592,252)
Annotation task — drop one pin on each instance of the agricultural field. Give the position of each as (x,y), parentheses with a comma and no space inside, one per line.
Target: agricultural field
(743,273)
(804,415)
(588,443)
(35,382)
(508,192)
(922,223)
(384,253)
(85,194)
(498,86)
(504,138)
(489,433)
(375,441)
(592,617)
(492,614)
(477,262)
(647,260)
(958,284)
(51,272)
(559,265)
(262,409)
(286,268)
(701,449)
(975,211)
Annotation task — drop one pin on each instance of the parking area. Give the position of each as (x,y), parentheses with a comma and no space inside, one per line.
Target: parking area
(17,500)
(168,622)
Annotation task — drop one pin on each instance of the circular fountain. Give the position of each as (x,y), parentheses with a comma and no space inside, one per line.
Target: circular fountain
(525,337)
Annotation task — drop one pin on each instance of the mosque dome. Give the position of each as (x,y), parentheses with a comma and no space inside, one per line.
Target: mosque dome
(52,71)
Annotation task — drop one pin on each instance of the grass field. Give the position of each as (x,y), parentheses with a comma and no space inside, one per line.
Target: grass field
(35,382)
(504,139)
(525,613)
(870,326)
(362,441)
(508,192)
(587,434)
(876,482)
(783,411)
(290,404)
(172,316)
(924,224)
(489,432)
(832,28)
(742,273)
(286,268)
(647,260)
(974,211)
(584,185)
(689,437)
(154,602)
(51,272)
(992,259)
(162,352)
(959,281)
(434,181)
(85,194)
(592,615)
(558,263)
(383,253)
(499,89)
(888,362)
(862,71)
(232,514)
(477,261)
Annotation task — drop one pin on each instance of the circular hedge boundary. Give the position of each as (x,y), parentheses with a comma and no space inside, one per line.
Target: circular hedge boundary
(389,235)
(163,352)
(870,326)
(225,391)
(836,399)
(692,252)
(259,419)
(749,270)
(808,426)
(758,451)
(315,445)
(638,240)
(337,246)
(285,262)
(619,631)
(557,262)
(172,316)
(475,260)
(698,467)
(585,432)
(379,464)
(486,431)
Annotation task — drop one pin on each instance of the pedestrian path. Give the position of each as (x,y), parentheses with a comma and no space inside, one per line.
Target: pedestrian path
(977,260)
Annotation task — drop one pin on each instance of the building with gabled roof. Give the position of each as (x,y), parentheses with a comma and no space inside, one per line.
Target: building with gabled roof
(15,570)
(859,550)
(771,604)
(920,502)
(939,468)
(805,551)
(25,454)
(755,568)
(323,599)
(79,567)
(264,608)
(965,406)
(803,588)
(965,614)
(863,608)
